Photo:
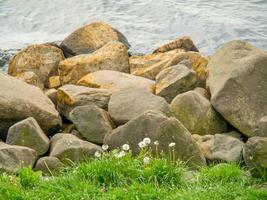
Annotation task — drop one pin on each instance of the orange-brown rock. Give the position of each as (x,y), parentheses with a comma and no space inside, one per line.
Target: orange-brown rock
(112,56)
(91,37)
(54,82)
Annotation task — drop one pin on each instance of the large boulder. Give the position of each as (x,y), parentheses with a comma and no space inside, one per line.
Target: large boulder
(184,43)
(28,133)
(91,37)
(13,157)
(175,80)
(71,96)
(255,155)
(30,78)
(41,59)
(197,114)
(114,81)
(68,148)
(92,122)
(19,100)
(127,104)
(220,147)
(113,56)
(48,165)
(238,84)
(158,127)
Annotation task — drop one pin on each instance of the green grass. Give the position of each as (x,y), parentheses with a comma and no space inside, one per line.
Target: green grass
(129,178)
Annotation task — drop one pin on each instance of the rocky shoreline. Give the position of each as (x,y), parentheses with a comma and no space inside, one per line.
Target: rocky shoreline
(60,103)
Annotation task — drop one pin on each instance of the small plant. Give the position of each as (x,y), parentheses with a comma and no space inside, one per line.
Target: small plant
(28,178)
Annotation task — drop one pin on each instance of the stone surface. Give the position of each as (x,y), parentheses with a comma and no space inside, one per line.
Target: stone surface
(68,148)
(126,104)
(254,153)
(184,43)
(91,37)
(41,59)
(220,147)
(30,78)
(54,82)
(238,84)
(71,96)
(175,80)
(113,56)
(197,114)
(52,95)
(92,122)
(157,126)
(13,157)
(19,100)
(114,81)
(48,165)
(28,133)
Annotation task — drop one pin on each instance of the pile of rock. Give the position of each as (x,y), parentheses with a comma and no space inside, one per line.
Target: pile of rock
(63,102)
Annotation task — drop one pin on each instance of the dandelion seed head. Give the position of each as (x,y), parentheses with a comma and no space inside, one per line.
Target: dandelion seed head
(156,142)
(147,140)
(97,154)
(146,160)
(126,147)
(142,144)
(172,144)
(105,147)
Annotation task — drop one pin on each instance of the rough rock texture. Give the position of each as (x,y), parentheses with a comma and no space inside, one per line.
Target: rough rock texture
(92,122)
(184,43)
(197,114)
(52,95)
(254,153)
(238,84)
(68,148)
(13,157)
(220,147)
(48,165)
(112,56)
(157,126)
(126,104)
(28,133)
(71,96)
(19,100)
(41,59)
(30,78)
(113,80)
(91,37)
(175,80)
(54,82)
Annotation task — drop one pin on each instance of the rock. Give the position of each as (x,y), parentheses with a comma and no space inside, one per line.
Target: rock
(127,104)
(30,78)
(184,43)
(52,95)
(91,37)
(48,165)
(71,96)
(236,71)
(254,153)
(28,133)
(54,82)
(220,147)
(202,92)
(68,148)
(19,100)
(114,81)
(92,122)
(197,114)
(113,56)
(13,157)
(41,59)
(175,80)
(157,126)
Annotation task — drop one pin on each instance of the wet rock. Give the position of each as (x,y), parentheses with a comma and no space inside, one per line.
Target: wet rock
(48,165)
(237,83)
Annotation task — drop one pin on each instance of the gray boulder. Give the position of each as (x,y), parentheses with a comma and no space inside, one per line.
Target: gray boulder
(127,104)
(197,114)
(28,133)
(13,157)
(175,80)
(48,165)
(92,122)
(157,126)
(238,84)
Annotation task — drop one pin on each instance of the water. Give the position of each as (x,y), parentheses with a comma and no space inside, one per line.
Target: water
(146,23)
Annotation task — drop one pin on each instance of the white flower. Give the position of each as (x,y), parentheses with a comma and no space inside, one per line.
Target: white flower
(147,140)
(172,144)
(141,144)
(97,154)
(126,147)
(146,160)
(121,154)
(156,142)
(105,147)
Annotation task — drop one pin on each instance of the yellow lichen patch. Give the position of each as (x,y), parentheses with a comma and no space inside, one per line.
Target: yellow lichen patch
(54,82)
(65,98)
